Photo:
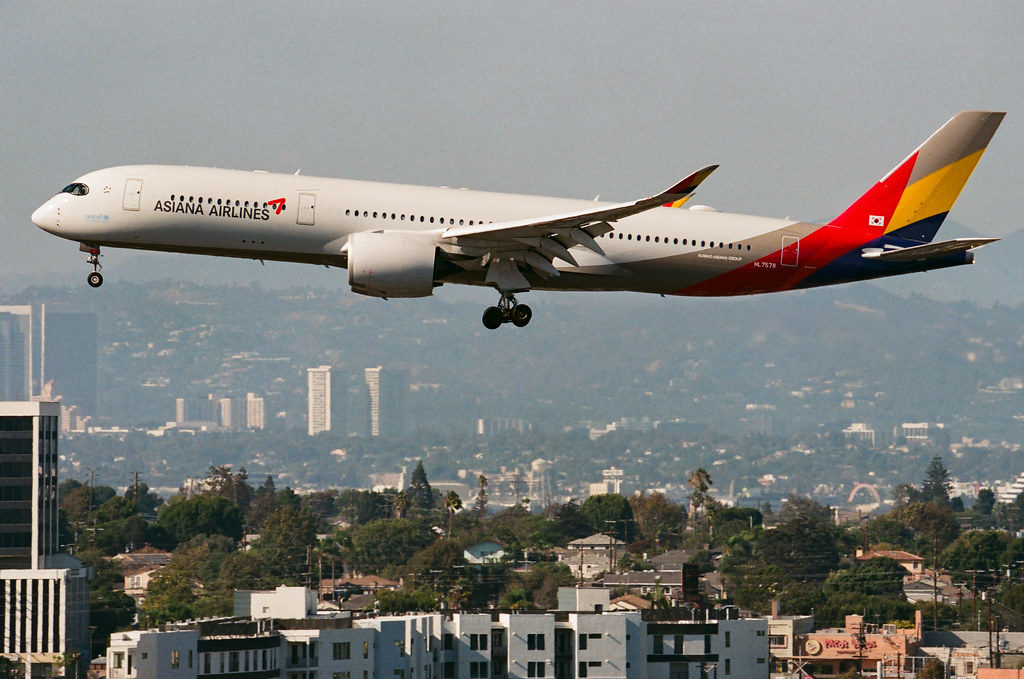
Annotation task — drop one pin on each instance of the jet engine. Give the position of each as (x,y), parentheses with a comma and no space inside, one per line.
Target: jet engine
(391,263)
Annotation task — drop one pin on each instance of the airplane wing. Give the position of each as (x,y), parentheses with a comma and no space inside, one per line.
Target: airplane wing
(928,250)
(536,242)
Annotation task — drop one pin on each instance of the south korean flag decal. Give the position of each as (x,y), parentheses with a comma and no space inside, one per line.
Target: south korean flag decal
(876,220)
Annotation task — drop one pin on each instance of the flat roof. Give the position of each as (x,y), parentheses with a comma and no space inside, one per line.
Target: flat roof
(29,408)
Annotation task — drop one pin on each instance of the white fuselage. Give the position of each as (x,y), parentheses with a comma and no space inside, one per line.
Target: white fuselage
(232,213)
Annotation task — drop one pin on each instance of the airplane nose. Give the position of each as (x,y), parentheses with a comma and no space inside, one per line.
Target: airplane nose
(47,217)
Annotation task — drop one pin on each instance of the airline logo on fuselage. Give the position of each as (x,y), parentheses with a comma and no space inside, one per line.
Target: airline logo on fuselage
(255,211)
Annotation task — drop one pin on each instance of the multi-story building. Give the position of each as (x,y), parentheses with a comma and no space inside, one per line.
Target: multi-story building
(386,387)
(563,644)
(318,406)
(16,382)
(44,610)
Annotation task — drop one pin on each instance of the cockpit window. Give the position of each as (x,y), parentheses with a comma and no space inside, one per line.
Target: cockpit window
(76,189)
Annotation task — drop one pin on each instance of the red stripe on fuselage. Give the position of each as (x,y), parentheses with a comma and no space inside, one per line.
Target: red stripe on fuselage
(817,249)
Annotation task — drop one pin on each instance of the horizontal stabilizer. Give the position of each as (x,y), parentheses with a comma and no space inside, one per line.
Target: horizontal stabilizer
(927,251)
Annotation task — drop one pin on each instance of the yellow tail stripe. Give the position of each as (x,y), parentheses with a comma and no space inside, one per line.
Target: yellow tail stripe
(933,194)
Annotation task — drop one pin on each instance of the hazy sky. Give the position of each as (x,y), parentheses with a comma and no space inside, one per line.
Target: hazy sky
(804,105)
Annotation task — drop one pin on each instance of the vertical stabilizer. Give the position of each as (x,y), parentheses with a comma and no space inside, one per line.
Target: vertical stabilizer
(913,199)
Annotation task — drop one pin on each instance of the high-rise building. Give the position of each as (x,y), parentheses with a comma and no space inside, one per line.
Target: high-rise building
(28,483)
(70,349)
(44,613)
(255,414)
(318,411)
(16,373)
(387,389)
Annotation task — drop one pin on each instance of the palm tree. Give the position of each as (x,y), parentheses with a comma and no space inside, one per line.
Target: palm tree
(452,503)
(402,504)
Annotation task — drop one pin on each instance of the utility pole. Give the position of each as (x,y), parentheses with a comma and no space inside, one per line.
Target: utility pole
(135,491)
(990,656)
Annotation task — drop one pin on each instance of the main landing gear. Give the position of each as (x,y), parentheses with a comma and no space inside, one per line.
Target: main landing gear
(95,279)
(507,311)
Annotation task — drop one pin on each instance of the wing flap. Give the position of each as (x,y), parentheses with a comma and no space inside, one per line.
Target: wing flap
(928,250)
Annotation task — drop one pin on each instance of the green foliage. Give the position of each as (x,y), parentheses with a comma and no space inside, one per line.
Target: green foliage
(515,599)
(935,522)
(420,492)
(797,507)
(886,530)
(110,609)
(404,601)
(287,536)
(985,502)
(729,521)
(937,483)
(804,547)
(542,581)
(609,511)
(932,669)
(201,515)
(880,576)
(388,542)
(434,566)
(171,596)
(977,550)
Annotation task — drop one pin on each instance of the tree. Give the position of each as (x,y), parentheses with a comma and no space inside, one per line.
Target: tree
(402,503)
(452,504)
(879,576)
(985,502)
(235,487)
(937,483)
(608,512)
(170,596)
(797,506)
(263,504)
(977,550)
(480,504)
(420,492)
(403,601)
(388,542)
(932,669)
(657,518)
(285,540)
(148,501)
(700,482)
(804,548)
(201,515)
(935,522)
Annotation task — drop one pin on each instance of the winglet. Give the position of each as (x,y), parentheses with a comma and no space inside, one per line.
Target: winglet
(681,192)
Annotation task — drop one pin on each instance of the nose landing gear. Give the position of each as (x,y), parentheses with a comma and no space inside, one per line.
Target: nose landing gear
(95,279)
(507,311)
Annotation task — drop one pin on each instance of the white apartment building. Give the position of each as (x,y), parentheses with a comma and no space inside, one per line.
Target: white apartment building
(450,645)
(318,407)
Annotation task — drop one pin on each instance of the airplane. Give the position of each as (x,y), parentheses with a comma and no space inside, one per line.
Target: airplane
(404,241)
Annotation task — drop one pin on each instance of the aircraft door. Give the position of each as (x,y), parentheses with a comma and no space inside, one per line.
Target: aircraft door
(790,250)
(132,194)
(307,209)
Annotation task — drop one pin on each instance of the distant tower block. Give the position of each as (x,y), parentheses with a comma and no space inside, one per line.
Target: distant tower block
(612,479)
(319,400)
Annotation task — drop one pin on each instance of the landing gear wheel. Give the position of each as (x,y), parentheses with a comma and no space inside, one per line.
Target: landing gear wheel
(95,279)
(521,315)
(492,318)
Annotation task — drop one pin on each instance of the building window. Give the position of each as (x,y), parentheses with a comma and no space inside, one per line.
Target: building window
(658,644)
(448,642)
(497,638)
(118,660)
(583,646)
(449,670)
(478,670)
(582,670)
(760,661)
(342,650)
(366,649)
(478,642)
(728,666)
(535,642)
(776,640)
(535,669)
(728,638)
(342,675)
(190,659)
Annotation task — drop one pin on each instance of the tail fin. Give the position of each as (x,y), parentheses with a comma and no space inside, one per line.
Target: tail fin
(913,199)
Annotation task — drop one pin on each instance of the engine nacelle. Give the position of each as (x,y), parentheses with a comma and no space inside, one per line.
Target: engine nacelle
(391,263)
